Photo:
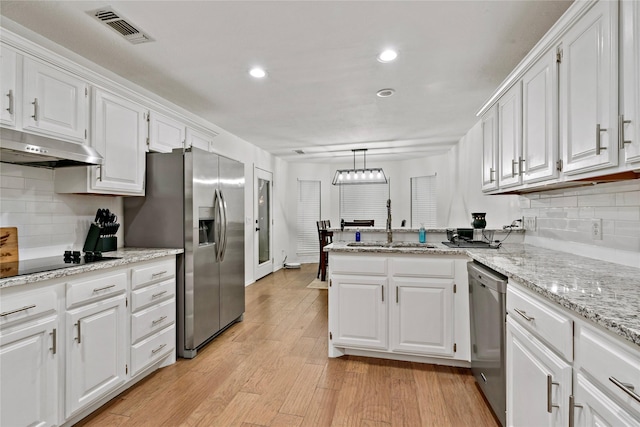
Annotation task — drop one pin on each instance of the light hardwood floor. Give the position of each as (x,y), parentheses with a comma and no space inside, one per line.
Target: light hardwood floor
(272,369)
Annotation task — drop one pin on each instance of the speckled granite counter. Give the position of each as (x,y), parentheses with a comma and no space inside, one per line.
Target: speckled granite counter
(602,292)
(126,255)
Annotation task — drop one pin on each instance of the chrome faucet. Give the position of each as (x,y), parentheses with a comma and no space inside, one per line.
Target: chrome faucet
(389,232)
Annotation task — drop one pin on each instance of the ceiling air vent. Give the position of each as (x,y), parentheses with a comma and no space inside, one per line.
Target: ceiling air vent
(299,151)
(116,22)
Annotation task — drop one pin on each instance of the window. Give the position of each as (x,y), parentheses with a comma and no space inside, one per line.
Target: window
(423,201)
(364,201)
(308,214)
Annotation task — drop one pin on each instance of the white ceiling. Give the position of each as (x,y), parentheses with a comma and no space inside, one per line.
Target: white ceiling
(319,95)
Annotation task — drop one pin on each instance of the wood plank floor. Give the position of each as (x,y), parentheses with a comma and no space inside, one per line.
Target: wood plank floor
(272,369)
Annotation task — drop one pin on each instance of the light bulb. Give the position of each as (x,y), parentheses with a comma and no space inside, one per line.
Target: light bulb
(379,176)
(371,174)
(355,174)
(348,175)
(340,177)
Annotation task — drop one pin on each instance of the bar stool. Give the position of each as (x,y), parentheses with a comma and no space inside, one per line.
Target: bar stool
(324,238)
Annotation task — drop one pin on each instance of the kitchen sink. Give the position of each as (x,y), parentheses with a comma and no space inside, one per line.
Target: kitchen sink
(390,245)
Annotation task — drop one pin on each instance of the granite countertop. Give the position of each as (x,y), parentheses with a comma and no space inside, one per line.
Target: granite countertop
(412,230)
(430,249)
(602,292)
(126,255)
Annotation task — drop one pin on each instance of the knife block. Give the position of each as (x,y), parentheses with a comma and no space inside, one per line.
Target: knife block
(107,244)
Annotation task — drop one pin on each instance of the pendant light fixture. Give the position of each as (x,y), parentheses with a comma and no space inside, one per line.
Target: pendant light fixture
(363,175)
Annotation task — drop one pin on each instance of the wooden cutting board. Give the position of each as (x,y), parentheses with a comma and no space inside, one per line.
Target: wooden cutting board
(8,244)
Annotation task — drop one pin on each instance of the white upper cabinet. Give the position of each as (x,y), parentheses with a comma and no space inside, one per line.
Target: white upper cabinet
(8,83)
(629,121)
(199,140)
(510,137)
(165,133)
(54,102)
(489,149)
(540,120)
(589,90)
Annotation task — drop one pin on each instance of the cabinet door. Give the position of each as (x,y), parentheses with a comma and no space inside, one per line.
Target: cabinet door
(8,70)
(422,316)
(360,316)
(538,381)
(510,137)
(96,346)
(29,365)
(489,150)
(118,133)
(630,84)
(540,120)
(589,91)
(199,140)
(165,133)
(54,103)
(594,408)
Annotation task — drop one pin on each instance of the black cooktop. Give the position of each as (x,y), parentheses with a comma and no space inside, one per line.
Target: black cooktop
(40,265)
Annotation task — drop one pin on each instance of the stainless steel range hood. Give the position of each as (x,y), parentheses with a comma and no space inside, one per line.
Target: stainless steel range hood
(33,150)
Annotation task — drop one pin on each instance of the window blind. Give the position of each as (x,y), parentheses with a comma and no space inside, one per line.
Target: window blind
(423,201)
(308,214)
(364,201)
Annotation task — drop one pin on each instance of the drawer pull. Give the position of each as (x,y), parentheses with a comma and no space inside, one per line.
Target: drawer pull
(627,388)
(54,342)
(572,406)
(159,294)
(524,314)
(25,308)
(158,349)
(160,273)
(550,384)
(155,322)
(103,288)
(79,337)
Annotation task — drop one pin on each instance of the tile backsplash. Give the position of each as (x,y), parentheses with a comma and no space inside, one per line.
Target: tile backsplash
(47,222)
(568,215)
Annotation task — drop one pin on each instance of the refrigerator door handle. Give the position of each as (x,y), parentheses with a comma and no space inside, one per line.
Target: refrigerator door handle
(223,209)
(216,220)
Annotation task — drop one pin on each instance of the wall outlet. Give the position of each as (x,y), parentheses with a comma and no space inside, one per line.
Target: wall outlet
(529,223)
(596,229)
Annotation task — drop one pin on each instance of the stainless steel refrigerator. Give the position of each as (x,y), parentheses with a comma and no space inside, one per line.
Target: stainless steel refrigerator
(195,200)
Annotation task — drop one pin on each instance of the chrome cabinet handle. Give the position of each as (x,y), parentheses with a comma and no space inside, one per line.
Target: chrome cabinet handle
(103,288)
(160,273)
(599,146)
(524,314)
(79,337)
(621,123)
(550,384)
(155,322)
(513,167)
(35,109)
(572,406)
(54,342)
(10,95)
(626,387)
(99,167)
(158,349)
(491,175)
(158,294)
(382,292)
(520,166)
(397,296)
(25,308)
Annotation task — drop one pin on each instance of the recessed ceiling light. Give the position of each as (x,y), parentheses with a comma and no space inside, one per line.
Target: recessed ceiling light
(385,93)
(387,56)
(257,72)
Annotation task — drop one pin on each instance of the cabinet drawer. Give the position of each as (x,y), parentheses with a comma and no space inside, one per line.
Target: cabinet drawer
(24,307)
(609,362)
(153,294)
(85,291)
(150,273)
(152,349)
(358,265)
(439,268)
(152,319)
(547,323)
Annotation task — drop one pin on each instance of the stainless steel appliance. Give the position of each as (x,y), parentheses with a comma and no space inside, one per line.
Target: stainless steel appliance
(487,289)
(34,150)
(195,200)
(40,265)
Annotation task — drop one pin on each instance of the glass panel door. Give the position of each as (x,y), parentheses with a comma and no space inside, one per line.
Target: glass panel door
(263,221)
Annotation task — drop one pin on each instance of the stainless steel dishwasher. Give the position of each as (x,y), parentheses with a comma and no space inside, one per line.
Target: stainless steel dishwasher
(487,289)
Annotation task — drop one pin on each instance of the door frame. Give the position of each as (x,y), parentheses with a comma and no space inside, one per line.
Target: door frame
(261,270)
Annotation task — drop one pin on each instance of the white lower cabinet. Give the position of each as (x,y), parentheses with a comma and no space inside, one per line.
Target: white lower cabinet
(399,307)
(538,381)
(29,358)
(96,342)
(592,407)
